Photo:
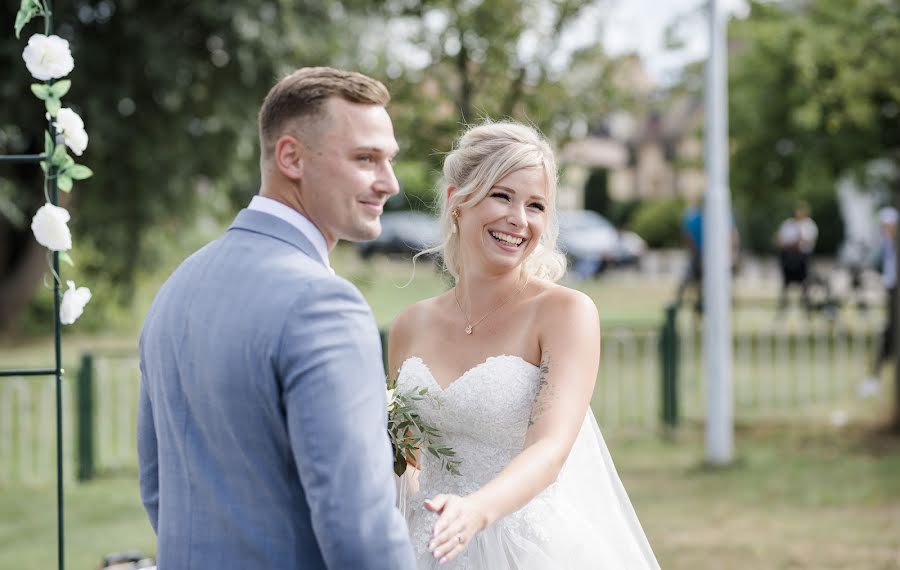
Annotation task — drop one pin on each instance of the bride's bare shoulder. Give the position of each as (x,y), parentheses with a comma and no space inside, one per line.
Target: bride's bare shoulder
(414,319)
(416,315)
(561,304)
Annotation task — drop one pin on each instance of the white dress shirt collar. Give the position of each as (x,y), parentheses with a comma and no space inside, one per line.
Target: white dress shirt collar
(296,219)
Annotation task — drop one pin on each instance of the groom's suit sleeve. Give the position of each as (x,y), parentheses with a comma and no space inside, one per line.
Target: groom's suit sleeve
(330,365)
(148,460)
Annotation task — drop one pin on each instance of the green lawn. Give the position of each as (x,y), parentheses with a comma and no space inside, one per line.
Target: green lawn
(800,495)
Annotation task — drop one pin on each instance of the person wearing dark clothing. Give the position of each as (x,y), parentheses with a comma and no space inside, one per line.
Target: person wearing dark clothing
(796,240)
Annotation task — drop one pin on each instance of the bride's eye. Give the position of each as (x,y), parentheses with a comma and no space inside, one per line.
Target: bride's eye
(538,206)
(500,195)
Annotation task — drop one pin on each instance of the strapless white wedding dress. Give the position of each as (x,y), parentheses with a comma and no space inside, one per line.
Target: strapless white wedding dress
(583,521)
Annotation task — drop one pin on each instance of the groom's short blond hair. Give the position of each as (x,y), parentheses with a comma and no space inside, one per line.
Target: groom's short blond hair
(296,102)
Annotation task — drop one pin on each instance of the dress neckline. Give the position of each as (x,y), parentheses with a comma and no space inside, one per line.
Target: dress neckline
(468,372)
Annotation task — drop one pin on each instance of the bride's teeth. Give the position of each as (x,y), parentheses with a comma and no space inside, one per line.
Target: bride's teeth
(508,239)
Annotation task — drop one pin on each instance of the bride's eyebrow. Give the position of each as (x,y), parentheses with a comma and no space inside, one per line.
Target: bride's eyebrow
(511,191)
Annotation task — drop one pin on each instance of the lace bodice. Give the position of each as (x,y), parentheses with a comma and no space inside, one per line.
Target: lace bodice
(483,415)
(581,520)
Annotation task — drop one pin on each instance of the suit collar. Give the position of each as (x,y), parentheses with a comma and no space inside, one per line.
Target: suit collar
(273,226)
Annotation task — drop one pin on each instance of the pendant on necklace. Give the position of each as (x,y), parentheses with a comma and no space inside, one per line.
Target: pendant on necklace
(468,329)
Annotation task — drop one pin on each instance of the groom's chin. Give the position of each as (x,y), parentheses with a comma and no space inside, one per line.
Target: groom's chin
(370,230)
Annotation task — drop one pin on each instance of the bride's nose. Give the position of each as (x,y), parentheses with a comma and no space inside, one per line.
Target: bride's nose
(516,217)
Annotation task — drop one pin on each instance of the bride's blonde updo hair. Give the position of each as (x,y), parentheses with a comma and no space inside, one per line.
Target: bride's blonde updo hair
(482,157)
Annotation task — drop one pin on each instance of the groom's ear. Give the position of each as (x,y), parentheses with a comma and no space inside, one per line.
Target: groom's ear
(289,157)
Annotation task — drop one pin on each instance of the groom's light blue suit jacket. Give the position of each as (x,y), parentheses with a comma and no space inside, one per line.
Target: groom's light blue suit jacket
(262,422)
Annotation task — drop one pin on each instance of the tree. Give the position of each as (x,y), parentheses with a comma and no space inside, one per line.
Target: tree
(815,94)
(170,92)
(499,59)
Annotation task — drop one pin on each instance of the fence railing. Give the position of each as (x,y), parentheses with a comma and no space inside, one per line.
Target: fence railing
(776,371)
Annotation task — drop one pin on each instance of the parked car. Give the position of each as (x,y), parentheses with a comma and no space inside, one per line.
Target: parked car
(593,244)
(403,234)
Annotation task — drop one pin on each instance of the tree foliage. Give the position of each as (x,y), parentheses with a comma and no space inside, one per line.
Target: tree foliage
(499,59)
(814,94)
(169,93)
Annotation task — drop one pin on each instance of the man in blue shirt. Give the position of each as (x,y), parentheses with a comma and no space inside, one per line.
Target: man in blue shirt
(692,237)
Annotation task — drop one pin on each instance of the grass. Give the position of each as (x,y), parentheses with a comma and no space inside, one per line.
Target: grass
(800,495)
(101,517)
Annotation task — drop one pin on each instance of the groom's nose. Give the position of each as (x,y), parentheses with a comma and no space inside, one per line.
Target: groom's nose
(387,183)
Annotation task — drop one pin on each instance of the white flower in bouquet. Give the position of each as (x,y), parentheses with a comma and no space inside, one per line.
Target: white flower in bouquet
(72,127)
(48,57)
(73,302)
(390,400)
(50,229)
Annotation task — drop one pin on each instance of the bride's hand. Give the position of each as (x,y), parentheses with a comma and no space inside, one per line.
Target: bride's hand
(460,519)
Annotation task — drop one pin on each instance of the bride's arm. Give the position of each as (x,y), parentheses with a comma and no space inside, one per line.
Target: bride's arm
(569,336)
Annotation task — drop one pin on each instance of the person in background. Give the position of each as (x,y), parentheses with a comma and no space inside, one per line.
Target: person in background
(888,218)
(692,237)
(796,240)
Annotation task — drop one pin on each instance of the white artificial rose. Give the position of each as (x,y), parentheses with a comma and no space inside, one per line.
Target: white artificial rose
(48,57)
(50,229)
(73,303)
(72,127)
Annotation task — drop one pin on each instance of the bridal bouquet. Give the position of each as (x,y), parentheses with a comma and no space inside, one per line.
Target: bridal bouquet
(410,433)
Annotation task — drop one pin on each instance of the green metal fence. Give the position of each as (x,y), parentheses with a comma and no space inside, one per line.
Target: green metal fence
(649,380)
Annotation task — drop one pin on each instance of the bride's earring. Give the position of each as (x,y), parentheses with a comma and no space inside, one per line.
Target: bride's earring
(455,221)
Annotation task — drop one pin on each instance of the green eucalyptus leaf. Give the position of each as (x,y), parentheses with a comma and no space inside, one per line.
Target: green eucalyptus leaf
(79,172)
(67,163)
(59,155)
(60,88)
(44,166)
(66,258)
(48,143)
(53,105)
(25,15)
(64,183)
(40,90)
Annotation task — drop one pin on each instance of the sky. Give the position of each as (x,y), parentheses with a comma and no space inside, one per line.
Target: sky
(623,26)
(639,25)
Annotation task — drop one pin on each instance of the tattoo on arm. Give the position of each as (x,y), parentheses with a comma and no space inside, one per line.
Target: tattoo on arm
(546,394)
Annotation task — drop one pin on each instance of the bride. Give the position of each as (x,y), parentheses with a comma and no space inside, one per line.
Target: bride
(509,360)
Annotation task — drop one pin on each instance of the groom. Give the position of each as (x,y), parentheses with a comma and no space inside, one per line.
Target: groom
(262,423)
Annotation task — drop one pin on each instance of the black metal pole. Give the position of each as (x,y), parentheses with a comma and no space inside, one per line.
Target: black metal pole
(54,199)
(37,372)
(23,157)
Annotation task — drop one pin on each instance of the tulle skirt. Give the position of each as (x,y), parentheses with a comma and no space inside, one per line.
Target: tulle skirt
(584,520)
